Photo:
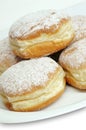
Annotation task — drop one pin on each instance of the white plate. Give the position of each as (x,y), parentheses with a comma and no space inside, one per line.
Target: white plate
(71,100)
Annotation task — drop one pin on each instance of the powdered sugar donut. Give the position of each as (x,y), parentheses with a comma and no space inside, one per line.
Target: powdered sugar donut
(79,24)
(32,84)
(7,57)
(40,33)
(73,60)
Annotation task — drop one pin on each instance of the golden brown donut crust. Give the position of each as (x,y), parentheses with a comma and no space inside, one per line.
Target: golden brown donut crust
(37,107)
(41,49)
(74,82)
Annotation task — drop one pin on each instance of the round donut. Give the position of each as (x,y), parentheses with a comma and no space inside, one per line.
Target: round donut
(7,57)
(40,33)
(73,60)
(79,25)
(32,84)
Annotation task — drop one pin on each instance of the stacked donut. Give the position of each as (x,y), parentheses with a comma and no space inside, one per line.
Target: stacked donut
(31,79)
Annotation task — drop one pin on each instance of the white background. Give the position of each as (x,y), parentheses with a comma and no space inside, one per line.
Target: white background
(10,10)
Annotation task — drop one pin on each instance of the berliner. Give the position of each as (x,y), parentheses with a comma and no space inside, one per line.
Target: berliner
(32,84)
(40,33)
(79,25)
(73,60)
(7,57)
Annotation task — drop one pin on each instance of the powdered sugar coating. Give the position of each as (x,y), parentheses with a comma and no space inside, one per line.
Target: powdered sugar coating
(27,74)
(40,20)
(6,54)
(75,55)
(79,24)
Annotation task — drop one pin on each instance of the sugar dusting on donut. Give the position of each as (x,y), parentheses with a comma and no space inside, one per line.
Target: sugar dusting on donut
(6,52)
(74,55)
(26,74)
(39,20)
(79,24)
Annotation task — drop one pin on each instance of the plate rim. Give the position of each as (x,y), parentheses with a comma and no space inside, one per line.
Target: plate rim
(39,115)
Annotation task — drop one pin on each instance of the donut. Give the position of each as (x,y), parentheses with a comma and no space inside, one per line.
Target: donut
(34,84)
(73,60)
(79,25)
(7,57)
(40,33)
